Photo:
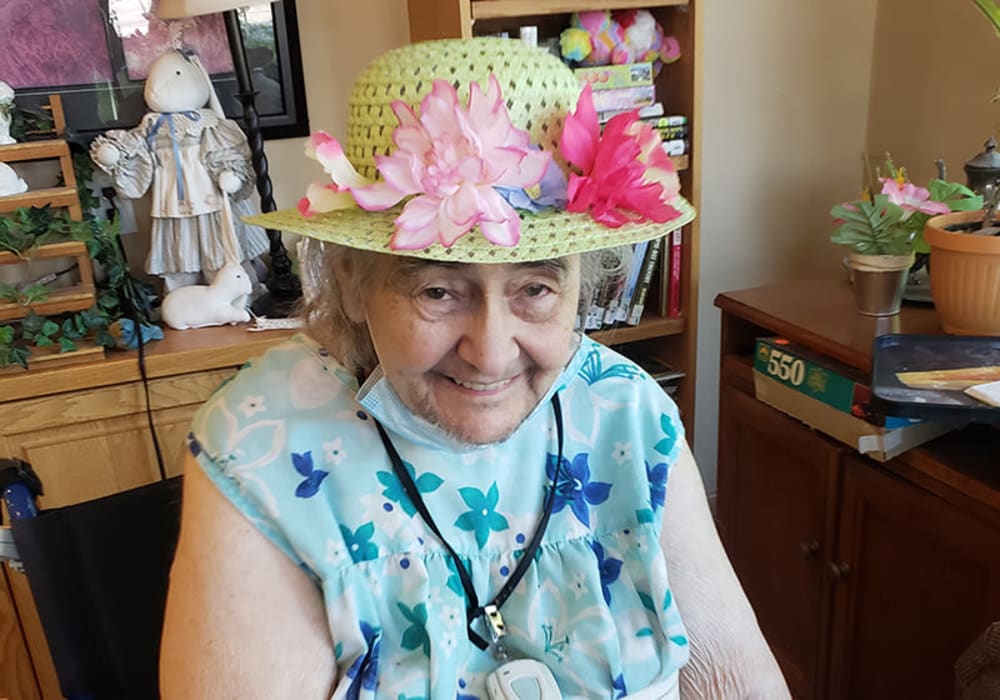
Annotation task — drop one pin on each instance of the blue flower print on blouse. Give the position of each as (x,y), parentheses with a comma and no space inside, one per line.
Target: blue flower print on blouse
(482,516)
(618,685)
(359,542)
(593,372)
(415,636)
(575,487)
(609,567)
(425,483)
(364,671)
(657,475)
(303,463)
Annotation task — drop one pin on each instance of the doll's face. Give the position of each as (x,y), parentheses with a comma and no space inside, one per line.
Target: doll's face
(175,84)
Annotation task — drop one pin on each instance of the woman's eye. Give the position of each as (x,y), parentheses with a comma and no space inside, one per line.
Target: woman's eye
(536,290)
(435,293)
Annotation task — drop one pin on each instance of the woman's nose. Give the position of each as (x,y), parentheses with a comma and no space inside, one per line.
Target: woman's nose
(488,343)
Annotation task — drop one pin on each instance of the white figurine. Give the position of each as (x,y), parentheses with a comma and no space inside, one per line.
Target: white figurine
(6,113)
(10,183)
(223,301)
(190,155)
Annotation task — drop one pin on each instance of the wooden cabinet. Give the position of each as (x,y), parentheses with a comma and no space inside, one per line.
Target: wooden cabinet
(917,580)
(868,579)
(85,431)
(776,494)
(678,86)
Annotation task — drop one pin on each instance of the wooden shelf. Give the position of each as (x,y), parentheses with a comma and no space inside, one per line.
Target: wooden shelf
(32,150)
(501,9)
(54,196)
(651,326)
(681,162)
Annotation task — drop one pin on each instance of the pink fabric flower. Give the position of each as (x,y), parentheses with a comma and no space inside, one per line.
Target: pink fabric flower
(330,196)
(625,175)
(451,158)
(911,197)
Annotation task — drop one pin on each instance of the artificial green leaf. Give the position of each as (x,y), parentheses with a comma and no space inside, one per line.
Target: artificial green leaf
(42,341)
(990,10)
(69,329)
(49,328)
(20,356)
(80,323)
(9,293)
(66,345)
(34,294)
(6,335)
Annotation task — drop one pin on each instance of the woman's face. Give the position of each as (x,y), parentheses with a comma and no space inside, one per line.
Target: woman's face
(473,348)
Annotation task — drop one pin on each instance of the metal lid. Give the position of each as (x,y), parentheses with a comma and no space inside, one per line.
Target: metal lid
(989,159)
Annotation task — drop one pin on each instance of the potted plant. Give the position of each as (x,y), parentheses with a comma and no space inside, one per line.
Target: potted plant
(883,231)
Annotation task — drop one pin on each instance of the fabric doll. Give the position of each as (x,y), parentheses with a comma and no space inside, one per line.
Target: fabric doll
(190,155)
(6,112)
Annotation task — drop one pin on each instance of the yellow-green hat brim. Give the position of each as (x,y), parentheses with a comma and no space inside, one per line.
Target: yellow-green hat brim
(544,236)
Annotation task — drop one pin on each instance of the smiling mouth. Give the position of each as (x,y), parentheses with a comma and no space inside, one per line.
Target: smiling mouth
(476,386)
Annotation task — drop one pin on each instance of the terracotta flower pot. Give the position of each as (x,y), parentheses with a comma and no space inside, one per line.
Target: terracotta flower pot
(878,282)
(965,275)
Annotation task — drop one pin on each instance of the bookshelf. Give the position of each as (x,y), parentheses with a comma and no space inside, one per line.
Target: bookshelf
(672,340)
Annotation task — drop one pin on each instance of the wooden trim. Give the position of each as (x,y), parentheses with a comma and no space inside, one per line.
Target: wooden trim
(32,150)
(651,326)
(180,352)
(500,9)
(54,196)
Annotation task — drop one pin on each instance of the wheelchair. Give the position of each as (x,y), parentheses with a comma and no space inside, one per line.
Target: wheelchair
(98,572)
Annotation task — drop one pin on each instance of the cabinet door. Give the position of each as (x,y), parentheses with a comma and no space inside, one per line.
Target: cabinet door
(777,485)
(917,580)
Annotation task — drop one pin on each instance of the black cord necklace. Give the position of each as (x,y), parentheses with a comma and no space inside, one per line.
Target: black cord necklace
(473,610)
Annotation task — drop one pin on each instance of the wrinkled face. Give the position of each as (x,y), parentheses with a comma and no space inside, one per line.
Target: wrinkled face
(472,348)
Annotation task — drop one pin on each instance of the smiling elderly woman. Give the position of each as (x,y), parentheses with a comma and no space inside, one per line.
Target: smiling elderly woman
(442,489)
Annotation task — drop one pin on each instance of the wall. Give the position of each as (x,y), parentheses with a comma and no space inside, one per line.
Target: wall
(785,104)
(338,40)
(933,74)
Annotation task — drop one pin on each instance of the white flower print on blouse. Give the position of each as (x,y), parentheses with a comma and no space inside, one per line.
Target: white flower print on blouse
(333,451)
(251,406)
(622,452)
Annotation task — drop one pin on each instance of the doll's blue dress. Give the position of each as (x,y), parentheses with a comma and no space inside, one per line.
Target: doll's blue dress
(291,441)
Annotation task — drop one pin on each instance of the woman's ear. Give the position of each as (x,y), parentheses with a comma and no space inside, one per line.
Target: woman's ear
(345,272)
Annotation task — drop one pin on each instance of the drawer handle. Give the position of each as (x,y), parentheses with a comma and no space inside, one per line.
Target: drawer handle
(807,549)
(841,570)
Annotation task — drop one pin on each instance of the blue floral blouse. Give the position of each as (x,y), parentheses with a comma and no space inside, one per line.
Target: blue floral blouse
(291,442)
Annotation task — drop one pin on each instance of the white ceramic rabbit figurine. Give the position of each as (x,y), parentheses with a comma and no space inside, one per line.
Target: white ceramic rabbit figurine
(223,301)
(187,155)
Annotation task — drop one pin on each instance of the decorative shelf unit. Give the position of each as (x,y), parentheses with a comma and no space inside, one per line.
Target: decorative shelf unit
(678,86)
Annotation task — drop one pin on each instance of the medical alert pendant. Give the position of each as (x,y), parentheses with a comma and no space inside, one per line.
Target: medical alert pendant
(497,630)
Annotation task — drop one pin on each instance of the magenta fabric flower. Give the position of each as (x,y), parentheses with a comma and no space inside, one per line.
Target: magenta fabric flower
(911,198)
(625,175)
(452,157)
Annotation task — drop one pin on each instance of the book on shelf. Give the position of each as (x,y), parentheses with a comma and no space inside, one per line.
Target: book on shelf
(619,76)
(618,310)
(676,147)
(665,121)
(663,374)
(670,279)
(624,98)
(649,111)
(677,131)
(638,304)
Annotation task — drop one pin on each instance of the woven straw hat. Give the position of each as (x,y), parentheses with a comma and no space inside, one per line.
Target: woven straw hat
(538,90)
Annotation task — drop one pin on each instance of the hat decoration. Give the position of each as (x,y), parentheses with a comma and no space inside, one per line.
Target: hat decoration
(468,165)
(484,150)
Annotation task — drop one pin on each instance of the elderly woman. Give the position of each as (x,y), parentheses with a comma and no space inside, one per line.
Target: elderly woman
(443,490)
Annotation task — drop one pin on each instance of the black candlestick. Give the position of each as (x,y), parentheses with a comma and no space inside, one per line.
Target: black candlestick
(283,287)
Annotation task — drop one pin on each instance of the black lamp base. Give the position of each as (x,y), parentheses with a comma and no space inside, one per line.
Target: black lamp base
(281,298)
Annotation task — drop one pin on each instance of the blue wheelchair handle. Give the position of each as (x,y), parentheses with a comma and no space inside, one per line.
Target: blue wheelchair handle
(19,485)
(20,501)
